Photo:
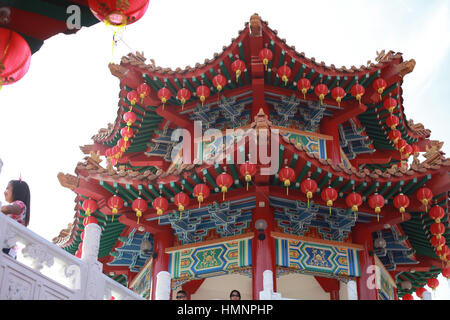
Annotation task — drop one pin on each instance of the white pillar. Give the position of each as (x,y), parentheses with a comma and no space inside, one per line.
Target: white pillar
(91,242)
(163,282)
(352,291)
(427,296)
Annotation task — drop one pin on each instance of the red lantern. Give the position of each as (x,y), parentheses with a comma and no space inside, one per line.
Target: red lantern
(265,55)
(408,296)
(115,203)
(321,91)
(304,85)
(143,90)
(118,13)
(219,82)
(203,93)
(287,176)
(425,196)
(438,243)
(433,283)
(181,200)
(401,202)
(338,93)
(129,117)
(437,229)
(132,96)
(354,200)
(248,170)
(89,206)
(238,67)
(329,195)
(401,144)
(139,206)
(183,95)
(224,181)
(420,292)
(437,213)
(201,191)
(309,187)
(379,85)
(116,151)
(358,92)
(392,121)
(164,95)
(284,72)
(160,204)
(416,149)
(394,136)
(90,220)
(406,153)
(390,104)
(126,133)
(442,252)
(123,145)
(446,272)
(15,57)
(376,202)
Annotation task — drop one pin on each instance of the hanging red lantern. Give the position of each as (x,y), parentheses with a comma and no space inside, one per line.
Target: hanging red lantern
(438,243)
(139,205)
(129,117)
(416,150)
(219,82)
(321,91)
(115,203)
(420,292)
(436,213)
(446,272)
(392,121)
(122,144)
(442,252)
(116,151)
(390,104)
(287,176)
(437,229)
(338,93)
(143,90)
(15,57)
(401,144)
(284,72)
(126,133)
(376,202)
(89,206)
(406,153)
(401,202)
(329,195)
(379,85)
(118,13)
(425,196)
(203,93)
(309,187)
(265,55)
(181,200)
(224,181)
(354,200)
(132,96)
(160,204)
(304,85)
(201,192)
(358,91)
(407,296)
(248,170)
(164,95)
(183,95)
(394,136)
(433,283)
(238,67)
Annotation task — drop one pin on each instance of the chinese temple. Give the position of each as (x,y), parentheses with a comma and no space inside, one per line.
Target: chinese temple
(355,193)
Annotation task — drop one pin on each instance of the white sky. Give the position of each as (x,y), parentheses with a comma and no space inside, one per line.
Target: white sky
(69,93)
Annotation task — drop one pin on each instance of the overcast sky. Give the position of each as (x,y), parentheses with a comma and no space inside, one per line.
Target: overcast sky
(69,93)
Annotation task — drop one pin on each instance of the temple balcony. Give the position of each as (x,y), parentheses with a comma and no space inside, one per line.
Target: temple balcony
(44,271)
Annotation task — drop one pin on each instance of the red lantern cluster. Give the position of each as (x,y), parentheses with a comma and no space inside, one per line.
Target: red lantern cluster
(15,57)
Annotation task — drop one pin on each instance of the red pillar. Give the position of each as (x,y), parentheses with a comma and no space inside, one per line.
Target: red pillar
(263,251)
(161,241)
(330,128)
(361,235)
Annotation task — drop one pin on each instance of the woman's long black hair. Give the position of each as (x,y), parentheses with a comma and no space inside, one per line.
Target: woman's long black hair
(21,192)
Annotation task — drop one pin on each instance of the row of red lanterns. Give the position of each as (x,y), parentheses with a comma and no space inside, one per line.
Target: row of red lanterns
(432,283)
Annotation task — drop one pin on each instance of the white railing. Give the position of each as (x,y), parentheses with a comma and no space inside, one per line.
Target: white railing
(44,271)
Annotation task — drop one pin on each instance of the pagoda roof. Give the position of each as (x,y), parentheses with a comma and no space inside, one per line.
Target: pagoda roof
(39,20)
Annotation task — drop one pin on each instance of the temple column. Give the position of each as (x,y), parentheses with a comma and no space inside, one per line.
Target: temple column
(365,283)
(91,241)
(263,244)
(161,286)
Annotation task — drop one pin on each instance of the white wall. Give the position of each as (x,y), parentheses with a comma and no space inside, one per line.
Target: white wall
(301,287)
